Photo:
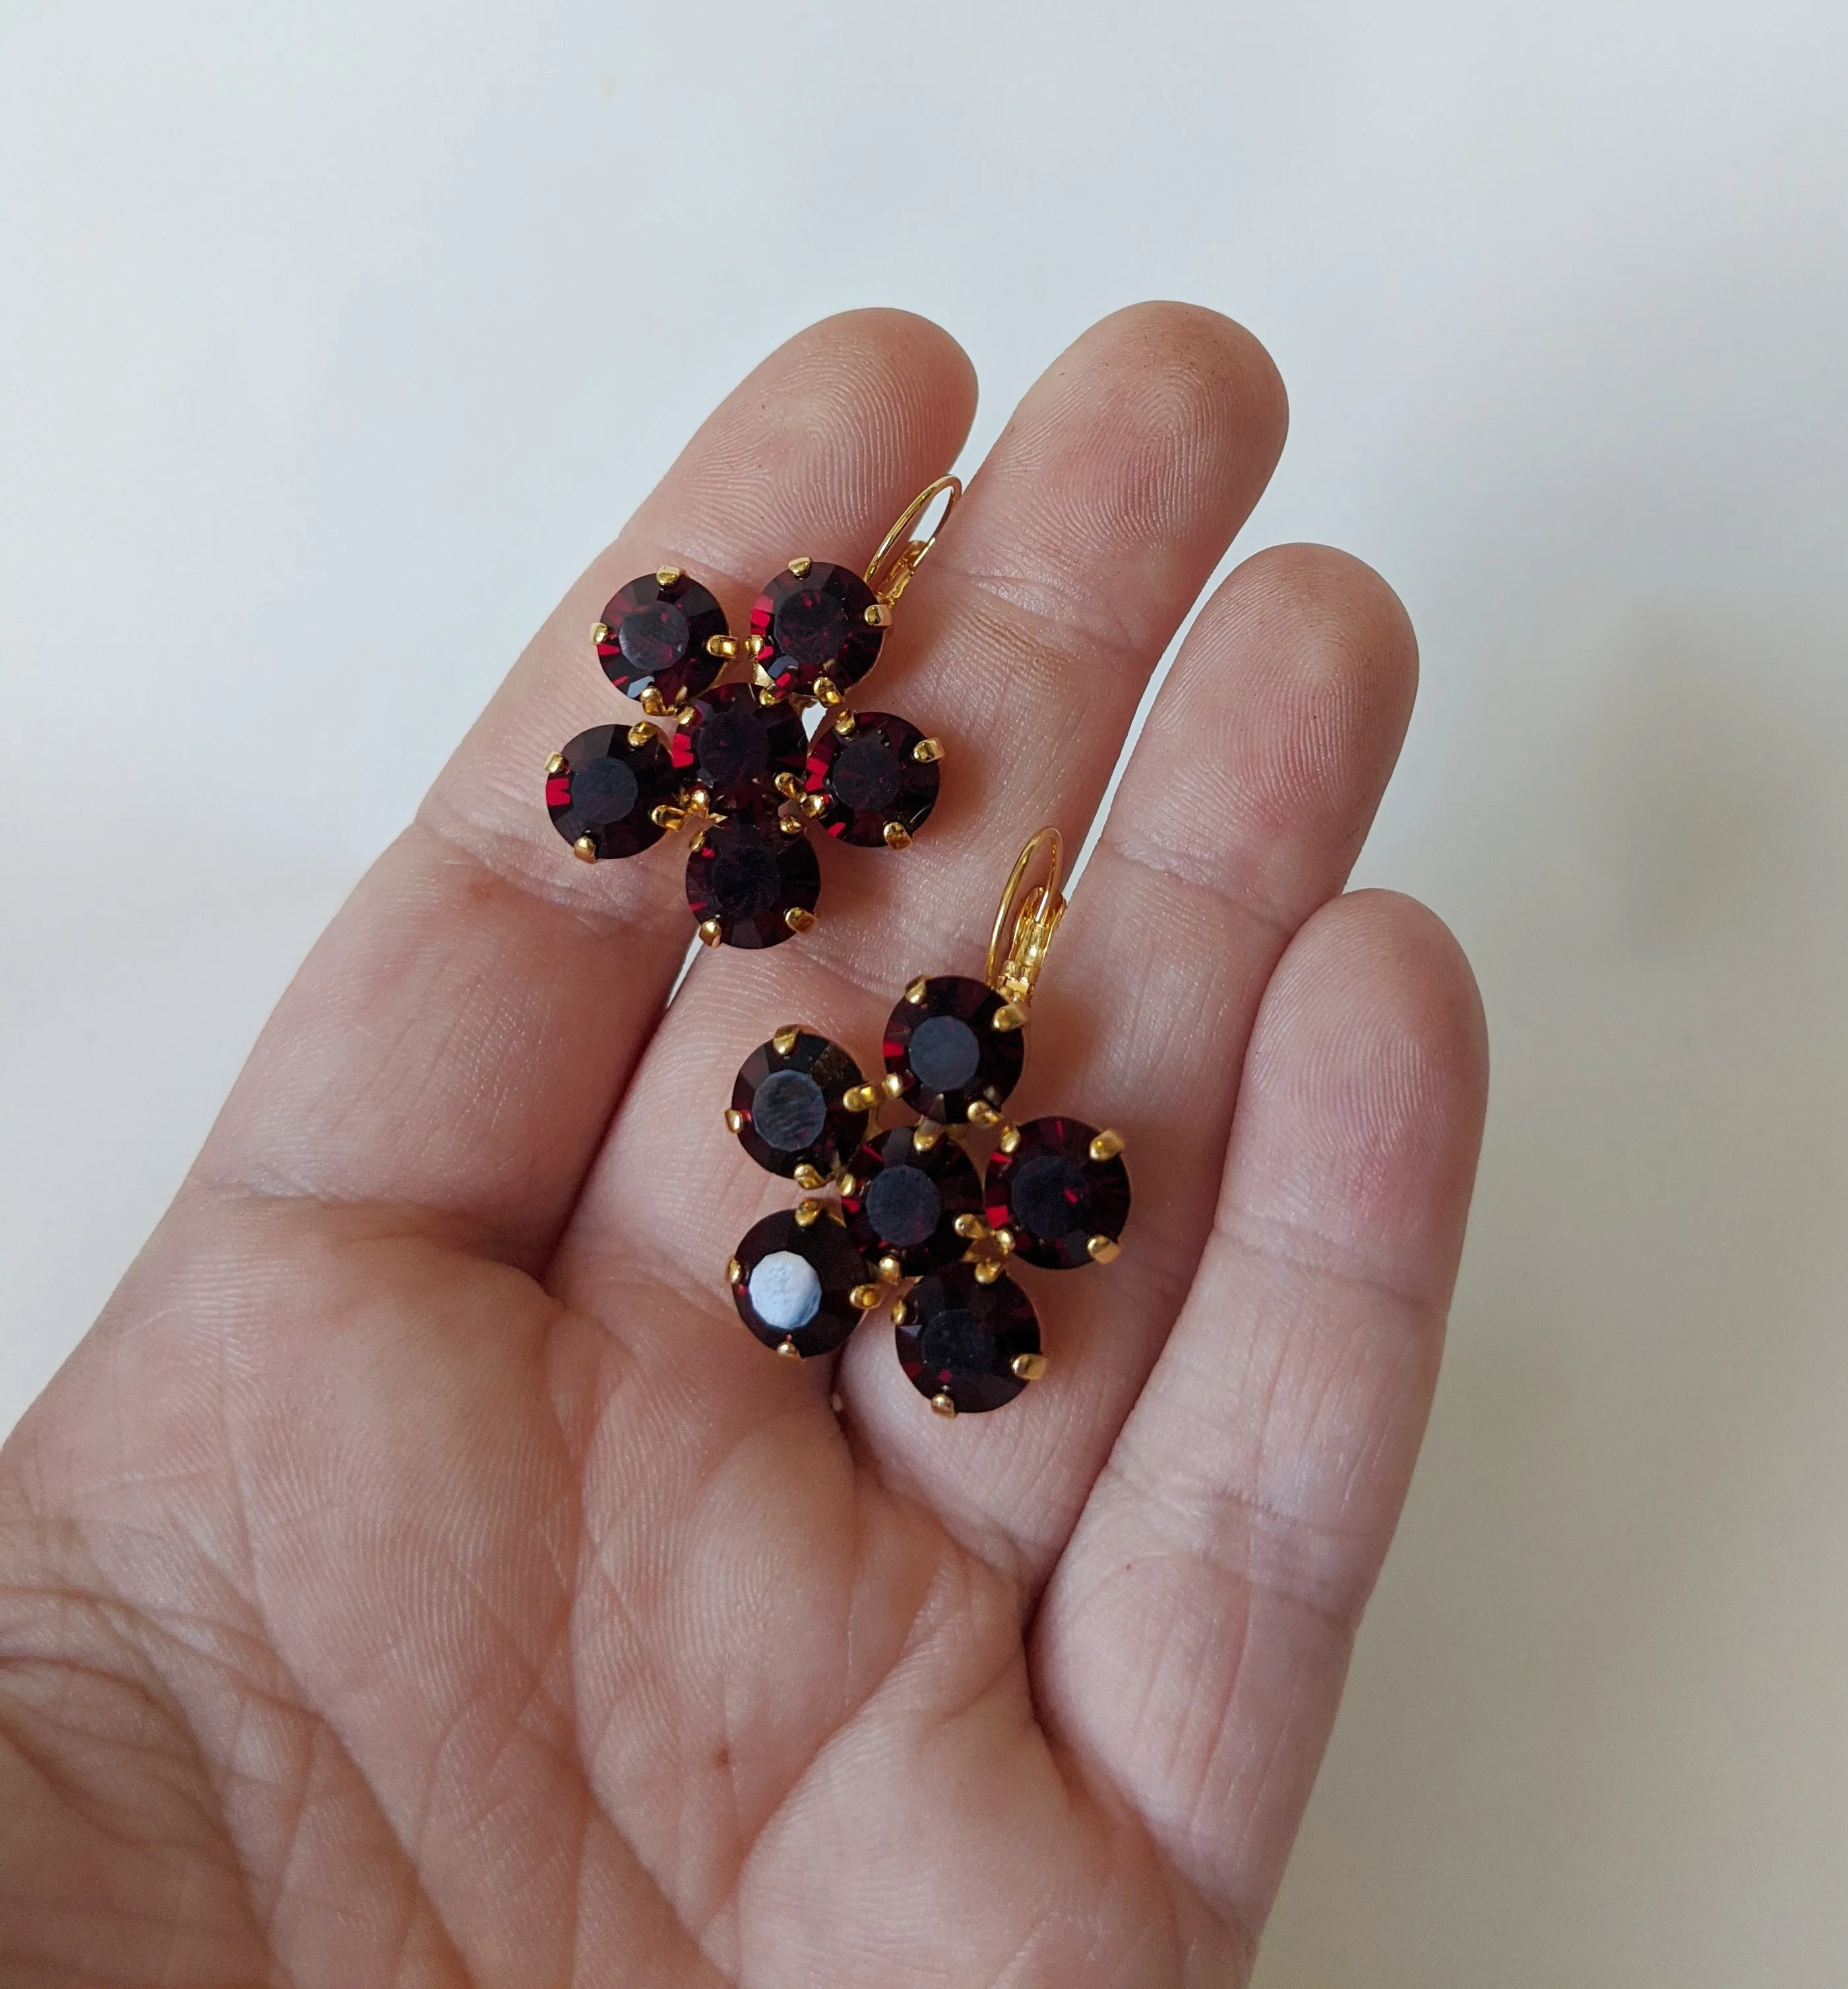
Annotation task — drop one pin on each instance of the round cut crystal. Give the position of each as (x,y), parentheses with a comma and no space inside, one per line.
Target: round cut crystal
(813,624)
(608,789)
(789,1103)
(961,1338)
(945,1051)
(746,876)
(793,1282)
(657,636)
(735,747)
(1052,1197)
(874,785)
(905,1198)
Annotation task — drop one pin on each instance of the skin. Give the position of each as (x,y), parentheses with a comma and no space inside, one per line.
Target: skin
(418,1576)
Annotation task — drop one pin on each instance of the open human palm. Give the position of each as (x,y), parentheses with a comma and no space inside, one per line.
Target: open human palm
(419,1577)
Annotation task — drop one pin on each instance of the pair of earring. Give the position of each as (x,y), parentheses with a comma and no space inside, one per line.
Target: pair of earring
(914,1217)
(746,768)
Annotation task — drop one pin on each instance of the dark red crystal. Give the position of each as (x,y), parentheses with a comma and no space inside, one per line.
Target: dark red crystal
(960,1338)
(747,875)
(791,1102)
(658,637)
(1052,1197)
(734,747)
(867,770)
(608,789)
(813,624)
(793,1282)
(945,1051)
(905,1198)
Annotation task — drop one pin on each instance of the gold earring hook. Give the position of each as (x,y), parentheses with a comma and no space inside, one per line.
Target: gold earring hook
(898,557)
(1035,914)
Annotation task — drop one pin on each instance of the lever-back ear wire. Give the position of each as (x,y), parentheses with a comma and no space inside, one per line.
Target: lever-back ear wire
(889,572)
(1035,916)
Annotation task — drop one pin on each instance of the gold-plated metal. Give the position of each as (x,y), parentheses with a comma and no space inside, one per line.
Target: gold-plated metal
(599,631)
(877,614)
(784,1040)
(807,1213)
(797,919)
(724,647)
(926,1133)
(943,1406)
(792,825)
(892,1085)
(848,1185)
(1010,1139)
(969,1226)
(767,694)
(1009,1015)
(812,805)
(790,1350)
(897,836)
(735,1120)
(667,575)
(734,1272)
(788,786)
(654,703)
(1026,921)
(827,691)
(556,764)
(927,750)
(863,1297)
(899,1312)
(640,734)
(891,1270)
(900,555)
(1104,1249)
(664,815)
(981,1113)
(844,721)
(1003,1240)
(987,1270)
(859,1097)
(915,993)
(807,1177)
(711,932)
(800,565)
(584,850)
(1108,1144)
(1028,1366)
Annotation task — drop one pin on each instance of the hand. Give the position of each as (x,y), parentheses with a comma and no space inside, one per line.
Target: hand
(419,1577)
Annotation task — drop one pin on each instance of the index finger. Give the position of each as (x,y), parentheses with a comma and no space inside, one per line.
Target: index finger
(457,1038)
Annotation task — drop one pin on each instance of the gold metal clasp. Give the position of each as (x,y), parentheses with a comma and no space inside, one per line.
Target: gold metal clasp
(1034,916)
(899,555)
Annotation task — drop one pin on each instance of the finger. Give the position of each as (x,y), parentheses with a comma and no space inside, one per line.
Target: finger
(1192,1643)
(459,1037)
(1025,643)
(1241,811)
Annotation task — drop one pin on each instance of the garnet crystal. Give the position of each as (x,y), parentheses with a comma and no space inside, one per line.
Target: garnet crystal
(812,626)
(904,1198)
(878,791)
(787,1105)
(602,799)
(746,878)
(942,1045)
(959,1338)
(655,637)
(735,747)
(794,1281)
(1062,1206)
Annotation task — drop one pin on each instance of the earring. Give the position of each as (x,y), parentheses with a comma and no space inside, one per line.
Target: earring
(746,768)
(915,1216)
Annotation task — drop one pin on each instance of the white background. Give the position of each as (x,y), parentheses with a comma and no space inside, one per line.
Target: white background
(325,363)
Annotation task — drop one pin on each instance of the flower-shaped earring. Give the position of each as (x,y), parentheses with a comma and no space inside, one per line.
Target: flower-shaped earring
(746,769)
(914,1217)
